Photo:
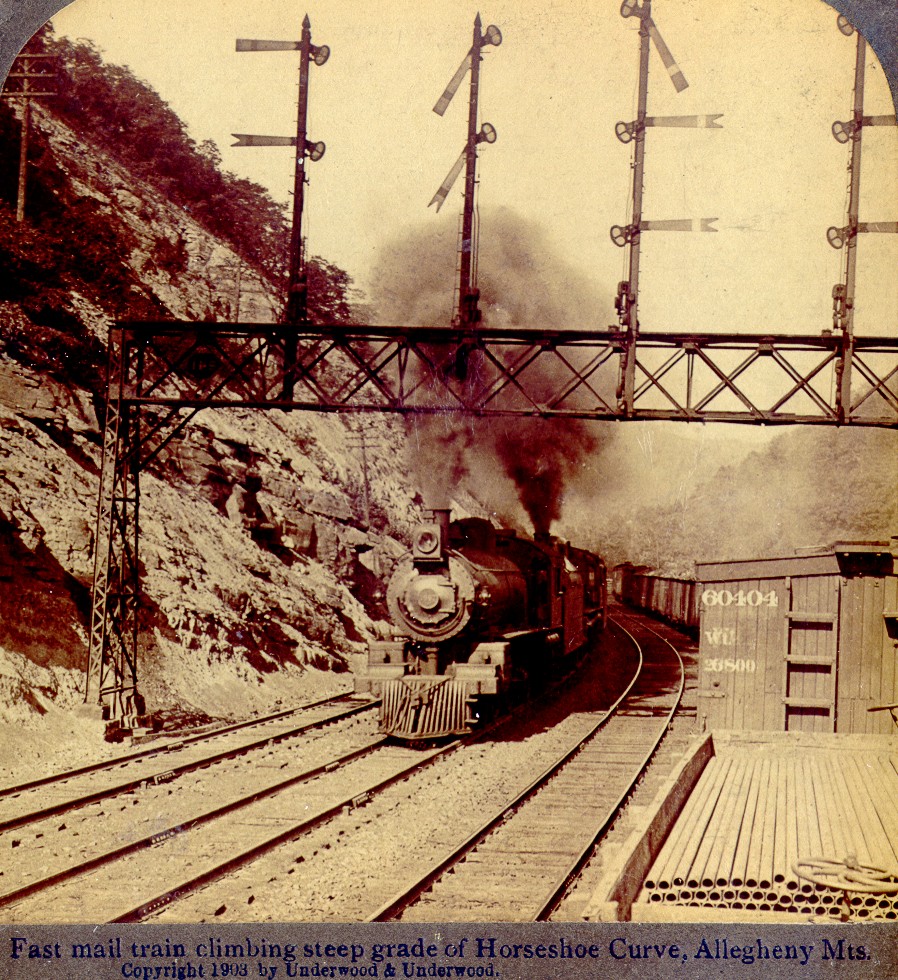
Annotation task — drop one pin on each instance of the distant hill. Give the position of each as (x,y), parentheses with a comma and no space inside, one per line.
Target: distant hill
(804,487)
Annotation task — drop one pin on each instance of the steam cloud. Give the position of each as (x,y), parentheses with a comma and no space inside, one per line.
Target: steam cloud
(522,284)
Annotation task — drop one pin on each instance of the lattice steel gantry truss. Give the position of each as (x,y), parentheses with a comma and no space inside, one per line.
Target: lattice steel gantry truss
(162,374)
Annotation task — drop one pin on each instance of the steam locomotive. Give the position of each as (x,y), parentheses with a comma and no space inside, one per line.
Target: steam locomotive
(479,613)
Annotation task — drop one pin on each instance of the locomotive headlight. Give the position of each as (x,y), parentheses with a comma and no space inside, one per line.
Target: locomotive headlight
(427,542)
(484,595)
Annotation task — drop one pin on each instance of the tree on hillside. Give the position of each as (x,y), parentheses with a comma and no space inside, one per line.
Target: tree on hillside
(110,106)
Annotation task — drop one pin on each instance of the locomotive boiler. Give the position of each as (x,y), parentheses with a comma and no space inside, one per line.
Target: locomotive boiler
(478,613)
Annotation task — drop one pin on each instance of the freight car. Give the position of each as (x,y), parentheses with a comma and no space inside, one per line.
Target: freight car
(675,600)
(479,613)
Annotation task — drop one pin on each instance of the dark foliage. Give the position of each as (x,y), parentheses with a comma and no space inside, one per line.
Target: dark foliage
(72,243)
(129,120)
(331,293)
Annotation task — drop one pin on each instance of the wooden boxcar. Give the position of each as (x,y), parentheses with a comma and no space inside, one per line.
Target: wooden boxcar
(808,643)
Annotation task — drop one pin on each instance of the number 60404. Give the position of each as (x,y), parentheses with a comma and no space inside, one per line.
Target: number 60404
(753,597)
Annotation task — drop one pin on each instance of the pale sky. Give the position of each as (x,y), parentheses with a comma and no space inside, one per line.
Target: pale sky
(780,73)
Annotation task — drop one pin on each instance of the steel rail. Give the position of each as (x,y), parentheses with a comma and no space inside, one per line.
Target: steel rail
(168,774)
(588,851)
(152,840)
(119,760)
(357,798)
(409,894)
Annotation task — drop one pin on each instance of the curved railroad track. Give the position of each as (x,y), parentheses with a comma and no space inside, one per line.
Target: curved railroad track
(370,863)
(519,864)
(265,829)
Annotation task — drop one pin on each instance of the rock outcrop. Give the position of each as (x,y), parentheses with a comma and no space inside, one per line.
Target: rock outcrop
(260,561)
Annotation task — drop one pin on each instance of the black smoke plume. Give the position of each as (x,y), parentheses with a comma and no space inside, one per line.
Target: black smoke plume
(523,283)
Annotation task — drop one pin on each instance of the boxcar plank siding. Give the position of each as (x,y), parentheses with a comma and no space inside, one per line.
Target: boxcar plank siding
(881,720)
(867,690)
(777,642)
(746,638)
(816,658)
(849,667)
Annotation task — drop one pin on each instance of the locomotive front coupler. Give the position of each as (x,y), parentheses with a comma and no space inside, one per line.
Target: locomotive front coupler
(424,659)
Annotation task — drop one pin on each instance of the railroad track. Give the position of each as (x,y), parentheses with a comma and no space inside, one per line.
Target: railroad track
(134,880)
(131,882)
(208,859)
(63,792)
(520,863)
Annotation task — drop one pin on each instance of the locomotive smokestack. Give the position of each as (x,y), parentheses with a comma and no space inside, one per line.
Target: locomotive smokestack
(440,515)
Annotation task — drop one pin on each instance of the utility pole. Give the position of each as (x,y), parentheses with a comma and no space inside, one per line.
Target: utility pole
(32,77)
(361,443)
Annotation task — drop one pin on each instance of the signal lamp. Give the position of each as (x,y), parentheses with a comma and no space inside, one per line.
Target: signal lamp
(836,236)
(487,133)
(493,35)
(624,131)
(320,54)
(630,8)
(315,150)
(845,25)
(843,131)
(622,236)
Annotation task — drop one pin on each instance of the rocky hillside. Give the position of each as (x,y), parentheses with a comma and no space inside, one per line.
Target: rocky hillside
(260,563)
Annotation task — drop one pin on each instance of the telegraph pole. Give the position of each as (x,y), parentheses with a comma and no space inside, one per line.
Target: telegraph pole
(360,442)
(30,80)
(23,159)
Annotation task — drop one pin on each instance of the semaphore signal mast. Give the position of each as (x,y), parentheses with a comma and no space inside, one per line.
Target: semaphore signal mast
(627,301)
(296,312)
(846,237)
(468,314)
